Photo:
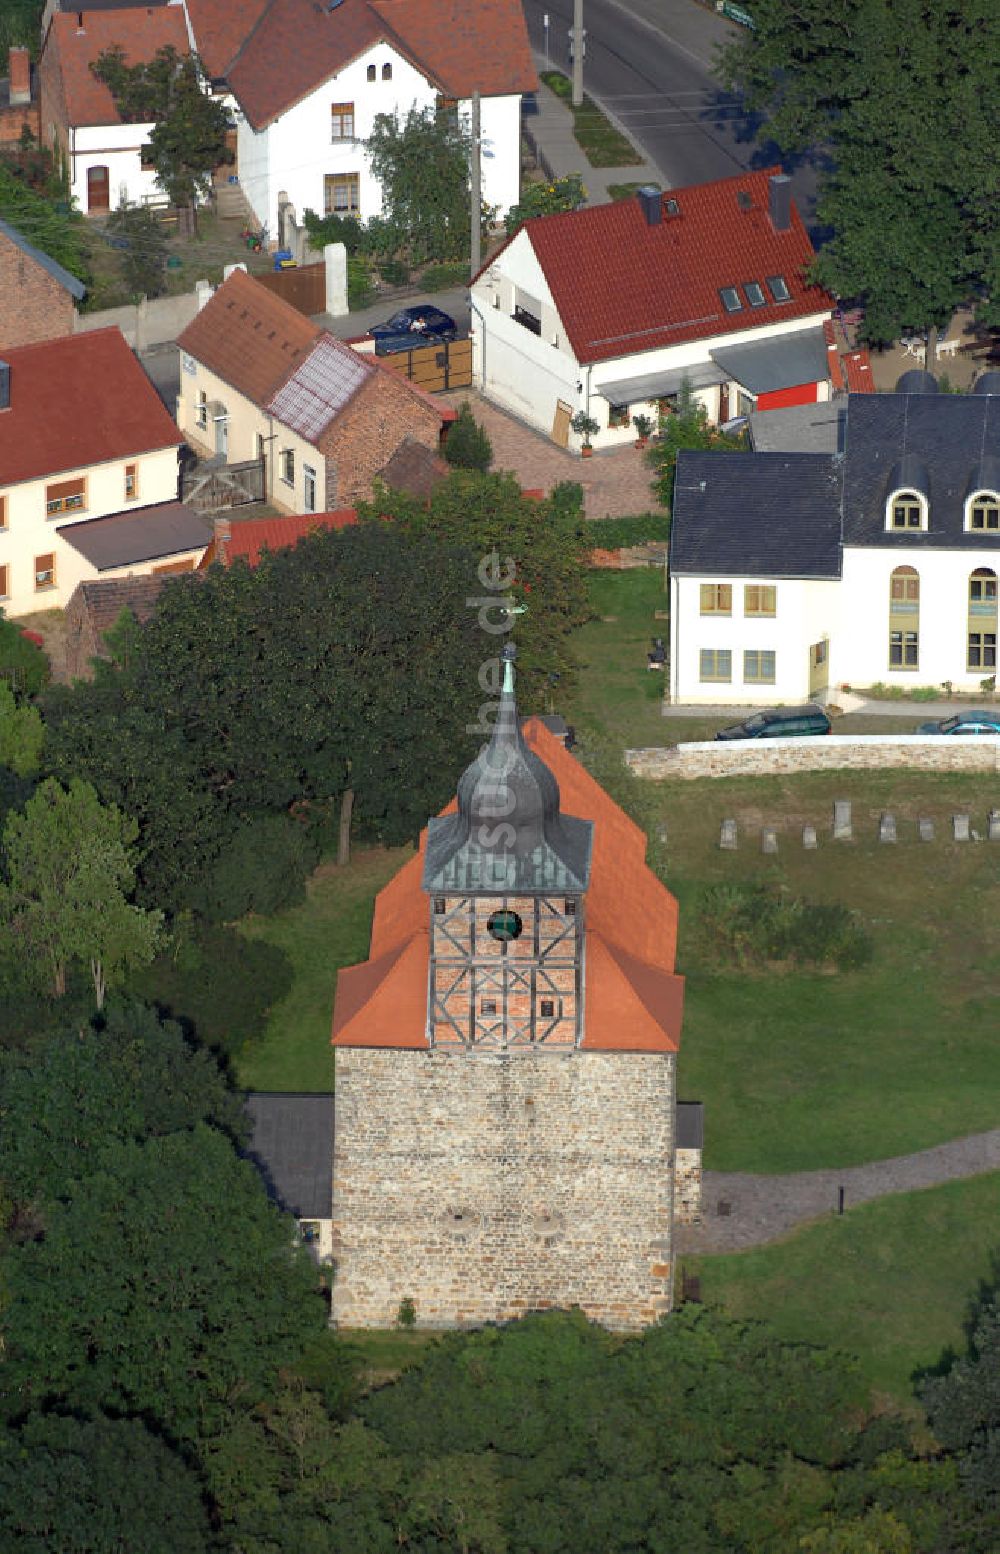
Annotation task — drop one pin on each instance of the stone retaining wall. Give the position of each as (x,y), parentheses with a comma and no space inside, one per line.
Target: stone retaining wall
(772,757)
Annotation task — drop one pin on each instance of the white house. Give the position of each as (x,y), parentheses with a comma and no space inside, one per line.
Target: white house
(88,472)
(793,574)
(307,80)
(105,158)
(606,310)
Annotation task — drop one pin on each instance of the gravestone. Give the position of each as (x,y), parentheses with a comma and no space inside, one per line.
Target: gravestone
(727,836)
(661,832)
(887,828)
(993,823)
(960,827)
(809,837)
(925,829)
(842,831)
(769,841)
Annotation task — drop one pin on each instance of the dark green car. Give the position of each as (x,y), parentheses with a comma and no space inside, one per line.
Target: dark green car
(779,723)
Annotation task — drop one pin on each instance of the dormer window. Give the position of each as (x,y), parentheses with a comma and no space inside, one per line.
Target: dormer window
(731,299)
(754,294)
(778,287)
(982,512)
(906,510)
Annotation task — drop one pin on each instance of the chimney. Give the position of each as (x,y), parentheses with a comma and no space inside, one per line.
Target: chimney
(222,536)
(650,204)
(4,386)
(779,199)
(19,70)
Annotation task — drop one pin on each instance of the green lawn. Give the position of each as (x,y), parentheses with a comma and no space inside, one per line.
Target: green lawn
(600,142)
(890,1282)
(329,930)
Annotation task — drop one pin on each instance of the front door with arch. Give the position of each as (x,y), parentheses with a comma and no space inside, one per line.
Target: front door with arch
(819,674)
(98,190)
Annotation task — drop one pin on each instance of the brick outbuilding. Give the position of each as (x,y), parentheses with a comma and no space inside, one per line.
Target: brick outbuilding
(37,296)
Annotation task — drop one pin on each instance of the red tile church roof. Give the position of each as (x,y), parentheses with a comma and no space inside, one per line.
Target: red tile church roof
(633,999)
(622,286)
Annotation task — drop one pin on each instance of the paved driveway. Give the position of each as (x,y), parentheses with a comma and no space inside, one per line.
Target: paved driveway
(615,483)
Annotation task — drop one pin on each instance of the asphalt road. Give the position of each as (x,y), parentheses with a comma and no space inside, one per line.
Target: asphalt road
(649,63)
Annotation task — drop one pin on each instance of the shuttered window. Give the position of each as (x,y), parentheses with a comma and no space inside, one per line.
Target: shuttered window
(66,496)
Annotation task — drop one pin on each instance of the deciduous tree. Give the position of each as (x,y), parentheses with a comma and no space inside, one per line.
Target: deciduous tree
(688,427)
(422,163)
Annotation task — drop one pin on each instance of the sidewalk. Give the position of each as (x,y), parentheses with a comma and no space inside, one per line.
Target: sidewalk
(548,128)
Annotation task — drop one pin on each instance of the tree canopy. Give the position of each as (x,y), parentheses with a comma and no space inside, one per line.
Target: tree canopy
(905,95)
(422,163)
(689,427)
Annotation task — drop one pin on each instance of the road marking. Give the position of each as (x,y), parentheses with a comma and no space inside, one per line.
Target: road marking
(660,32)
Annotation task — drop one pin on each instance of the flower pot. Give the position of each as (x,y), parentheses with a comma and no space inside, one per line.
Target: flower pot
(586,451)
(641,442)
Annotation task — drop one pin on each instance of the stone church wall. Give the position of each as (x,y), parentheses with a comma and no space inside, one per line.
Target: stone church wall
(486,1185)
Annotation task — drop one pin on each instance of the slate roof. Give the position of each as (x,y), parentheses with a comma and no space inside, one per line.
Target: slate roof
(292,1146)
(944,437)
(77,401)
(141,534)
(319,387)
(275,53)
(621,286)
(756,515)
(140,30)
(690,1124)
(69,282)
(782,361)
(249,337)
(800,428)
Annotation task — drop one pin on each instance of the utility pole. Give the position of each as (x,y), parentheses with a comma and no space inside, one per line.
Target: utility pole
(577,36)
(476,214)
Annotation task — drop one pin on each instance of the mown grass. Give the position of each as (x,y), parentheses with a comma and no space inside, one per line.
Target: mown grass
(892,1282)
(329,930)
(600,142)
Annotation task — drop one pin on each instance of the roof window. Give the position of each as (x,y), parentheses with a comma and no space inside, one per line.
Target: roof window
(778,287)
(731,299)
(754,293)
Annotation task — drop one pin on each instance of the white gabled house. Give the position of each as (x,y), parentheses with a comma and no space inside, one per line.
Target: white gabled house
(306,81)
(606,310)
(793,574)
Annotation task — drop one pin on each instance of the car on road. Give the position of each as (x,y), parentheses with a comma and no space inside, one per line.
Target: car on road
(964,723)
(779,723)
(424,324)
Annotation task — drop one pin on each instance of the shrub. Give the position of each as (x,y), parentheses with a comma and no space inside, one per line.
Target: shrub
(755,924)
(637,529)
(406,1316)
(467,445)
(546,199)
(437,277)
(262,868)
(216,982)
(22,663)
(360,290)
(393,271)
(334,229)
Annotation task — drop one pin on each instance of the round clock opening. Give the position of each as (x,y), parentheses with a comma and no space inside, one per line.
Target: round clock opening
(505,926)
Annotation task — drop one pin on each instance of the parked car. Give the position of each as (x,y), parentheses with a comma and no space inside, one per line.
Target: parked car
(779,723)
(412,327)
(964,723)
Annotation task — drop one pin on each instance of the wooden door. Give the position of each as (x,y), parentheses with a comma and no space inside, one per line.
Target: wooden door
(560,423)
(98,190)
(819,674)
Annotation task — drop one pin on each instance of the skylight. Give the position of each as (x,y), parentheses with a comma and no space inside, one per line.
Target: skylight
(731,299)
(754,293)
(778,287)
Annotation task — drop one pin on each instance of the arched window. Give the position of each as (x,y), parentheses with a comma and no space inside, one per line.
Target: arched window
(983,512)
(371,72)
(904,618)
(907,510)
(982,641)
(386,72)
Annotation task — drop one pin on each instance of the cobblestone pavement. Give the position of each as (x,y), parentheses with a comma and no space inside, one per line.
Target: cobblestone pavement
(765,1208)
(615,483)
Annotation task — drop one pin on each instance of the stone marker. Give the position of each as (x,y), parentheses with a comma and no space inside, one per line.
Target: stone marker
(960,827)
(842,831)
(925,829)
(727,837)
(661,832)
(993,823)
(887,828)
(809,837)
(769,841)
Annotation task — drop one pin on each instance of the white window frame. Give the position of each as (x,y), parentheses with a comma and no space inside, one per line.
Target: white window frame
(890,509)
(982,498)
(308,488)
(287,476)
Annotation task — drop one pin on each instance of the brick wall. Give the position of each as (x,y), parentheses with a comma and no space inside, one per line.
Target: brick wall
(33,305)
(486,1185)
(367,433)
(772,757)
(13,120)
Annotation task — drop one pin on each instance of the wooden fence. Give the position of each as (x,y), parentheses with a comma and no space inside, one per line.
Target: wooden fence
(304,287)
(435,367)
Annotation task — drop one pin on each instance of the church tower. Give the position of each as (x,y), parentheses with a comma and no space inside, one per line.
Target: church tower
(505,1060)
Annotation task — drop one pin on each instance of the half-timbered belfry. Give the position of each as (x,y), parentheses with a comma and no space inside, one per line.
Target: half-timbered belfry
(505,1060)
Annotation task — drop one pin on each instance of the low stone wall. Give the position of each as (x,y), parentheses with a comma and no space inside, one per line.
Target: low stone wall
(833,752)
(158,322)
(627,557)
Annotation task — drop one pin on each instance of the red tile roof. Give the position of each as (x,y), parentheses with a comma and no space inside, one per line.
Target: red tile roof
(139,31)
(276,54)
(76,401)
(858,368)
(248,538)
(622,286)
(249,337)
(633,999)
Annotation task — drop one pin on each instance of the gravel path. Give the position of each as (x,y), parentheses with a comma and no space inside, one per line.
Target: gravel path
(765,1208)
